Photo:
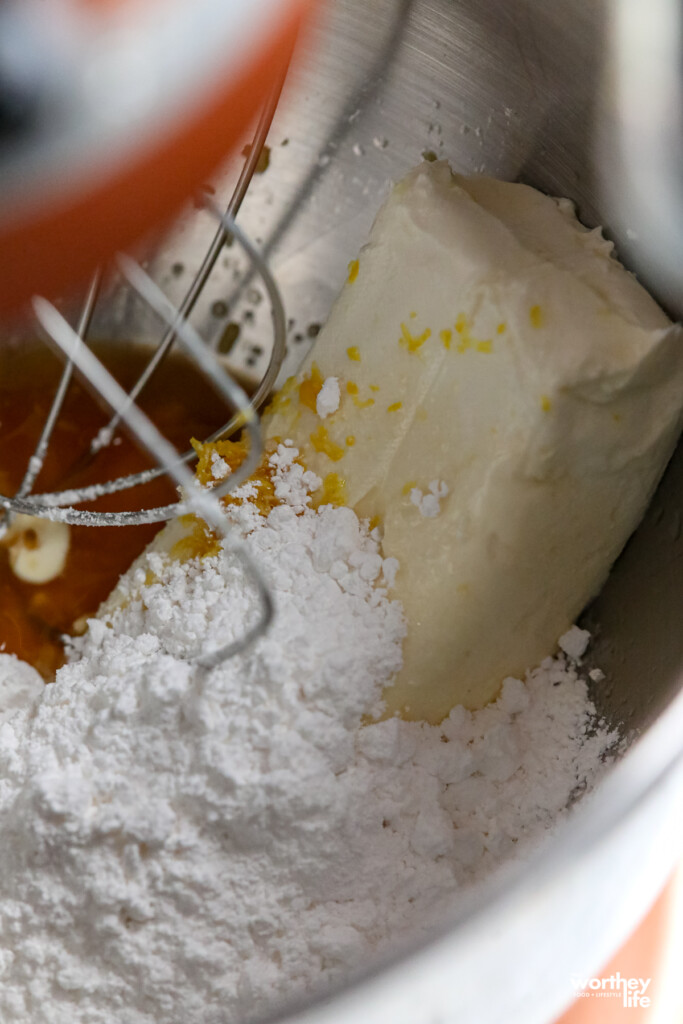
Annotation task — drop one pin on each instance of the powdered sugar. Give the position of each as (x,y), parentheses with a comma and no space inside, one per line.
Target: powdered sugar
(293,484)
(429,503)
(219,467)
(189,845)
(575,642)
(328,398)
(19,684)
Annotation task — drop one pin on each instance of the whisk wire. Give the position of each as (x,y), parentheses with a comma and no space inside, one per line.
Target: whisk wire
(222,235)
(35,463)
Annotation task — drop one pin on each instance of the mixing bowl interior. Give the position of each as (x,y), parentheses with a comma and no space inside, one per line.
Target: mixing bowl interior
(514,89)
(510,88)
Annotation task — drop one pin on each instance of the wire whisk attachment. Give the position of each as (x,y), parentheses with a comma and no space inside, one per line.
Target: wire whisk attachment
(69,342)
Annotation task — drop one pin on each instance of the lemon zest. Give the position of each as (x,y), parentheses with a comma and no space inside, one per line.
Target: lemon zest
(536,316)
(332,492)
(413,342)
(322,442)
(310,387)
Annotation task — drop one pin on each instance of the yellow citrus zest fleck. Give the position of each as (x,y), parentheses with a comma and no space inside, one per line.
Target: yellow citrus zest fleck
(463,326)
(408,486)
(352,389)
(374,387)
(395,406)
(332,492)
(545,403)
(374,522)
(200,540)
(446,337)
(413,315)
(413,342)
(500,329)
(232,452)
(353,352)
(350,441)
(322,442)
(354,267)
(310,388)
(536,316)
(282,398)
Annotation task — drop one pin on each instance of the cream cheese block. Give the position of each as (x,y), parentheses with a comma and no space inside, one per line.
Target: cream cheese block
(502,399)
(510,398)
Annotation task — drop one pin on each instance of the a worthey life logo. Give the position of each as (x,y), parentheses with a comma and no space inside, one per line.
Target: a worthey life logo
(632,991)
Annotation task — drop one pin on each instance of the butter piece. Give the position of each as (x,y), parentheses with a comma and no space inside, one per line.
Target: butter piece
(38,548)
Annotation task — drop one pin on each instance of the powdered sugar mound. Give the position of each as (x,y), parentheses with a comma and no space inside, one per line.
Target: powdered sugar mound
(177,840)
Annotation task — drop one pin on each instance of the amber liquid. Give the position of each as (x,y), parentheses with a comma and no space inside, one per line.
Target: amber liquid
(33,618)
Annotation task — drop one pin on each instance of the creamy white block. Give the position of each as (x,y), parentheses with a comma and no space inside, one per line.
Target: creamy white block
(502,372)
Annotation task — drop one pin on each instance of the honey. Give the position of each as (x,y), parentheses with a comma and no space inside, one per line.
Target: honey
(180,401)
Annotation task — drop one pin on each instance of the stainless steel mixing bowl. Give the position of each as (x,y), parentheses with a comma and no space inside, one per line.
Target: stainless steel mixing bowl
(516,89)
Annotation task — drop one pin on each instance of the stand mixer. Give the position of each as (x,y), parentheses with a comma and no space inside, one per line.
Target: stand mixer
(514,91)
